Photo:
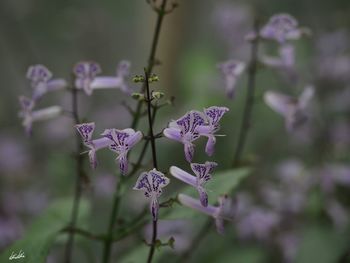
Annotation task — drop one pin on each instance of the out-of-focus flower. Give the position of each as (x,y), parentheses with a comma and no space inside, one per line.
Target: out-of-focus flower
(257,223)
(289,243)
(29,116)
(294,110)
(337,212)
(184,130)
(88,80)
(14,157)
(203,175)
(42,82)
(213,116)
(281,27)
(121,141)
(86,130)
(332,57)
(232,21)
(85,73)
(152,183)
(224,211)
(332,175)
(231,69)
(284,63)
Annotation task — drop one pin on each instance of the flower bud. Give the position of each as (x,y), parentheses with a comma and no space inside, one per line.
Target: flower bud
(157,95)
(138,96)
(138,78)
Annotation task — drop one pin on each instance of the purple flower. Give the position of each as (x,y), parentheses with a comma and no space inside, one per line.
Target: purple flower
(121,142)
(203,175)
(258,223)
(294,110)
(152,183)
(88,80)
(231,69)
(281,27)
(42,82)
(194,124)
(213,116)
(224,211)
(86,130)
(184,130)
(29,116)
(86,73)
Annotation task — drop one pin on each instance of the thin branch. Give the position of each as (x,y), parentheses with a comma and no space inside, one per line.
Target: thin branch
(79,176)
(246,119)
(155,163)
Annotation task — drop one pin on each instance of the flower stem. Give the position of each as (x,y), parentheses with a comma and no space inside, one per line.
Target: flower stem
(112,219)
(245,124)
(151,59)
(154,158)
(137,116)
(78,183)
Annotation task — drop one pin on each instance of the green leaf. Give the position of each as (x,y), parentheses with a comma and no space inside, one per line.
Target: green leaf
(40,236)
(322,244)
(221,183)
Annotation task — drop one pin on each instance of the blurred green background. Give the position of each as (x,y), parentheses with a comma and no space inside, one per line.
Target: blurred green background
(194,39)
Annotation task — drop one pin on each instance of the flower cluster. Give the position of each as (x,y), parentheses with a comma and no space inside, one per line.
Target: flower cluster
(186,130)
(42,82)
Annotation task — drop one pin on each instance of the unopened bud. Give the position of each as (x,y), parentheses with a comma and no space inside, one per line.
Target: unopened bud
(157,95)
(138,78)
(138,96)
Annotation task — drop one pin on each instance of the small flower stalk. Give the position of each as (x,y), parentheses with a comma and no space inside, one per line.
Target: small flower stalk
(152,183)
(225,210)
(194,124)
(87,79)
(202,176)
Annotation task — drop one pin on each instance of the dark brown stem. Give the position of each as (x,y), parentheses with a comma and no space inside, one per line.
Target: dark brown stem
(109,236)
(78,183)
(245,125)
(154,158)
(151,59)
